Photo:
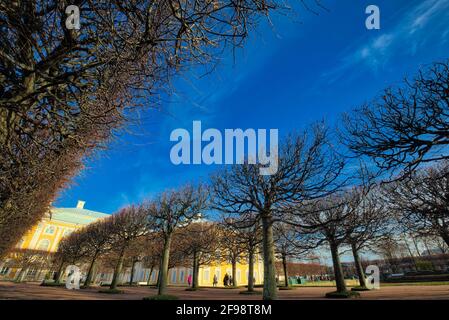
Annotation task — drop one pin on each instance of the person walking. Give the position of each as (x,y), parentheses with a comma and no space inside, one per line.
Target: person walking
(215,281)
(189,280)
(226,280)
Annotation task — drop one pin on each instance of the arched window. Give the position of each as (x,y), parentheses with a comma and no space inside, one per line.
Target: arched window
(43,245)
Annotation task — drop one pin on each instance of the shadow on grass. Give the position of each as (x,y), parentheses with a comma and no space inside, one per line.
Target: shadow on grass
(161,297)
(342,294)
(111,291)
(254,292)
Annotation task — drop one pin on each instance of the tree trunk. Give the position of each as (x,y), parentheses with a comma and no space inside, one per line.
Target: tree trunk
(149,276)
(88,280)
(338,270)
(284,264)
(410,253)
(195,271)
(131,278)
(415,244)
(445,237)
(358,266)
(118,270)
(251,271)
(158,281)
(269,277)
(234,272)
(164,266)
(59,272)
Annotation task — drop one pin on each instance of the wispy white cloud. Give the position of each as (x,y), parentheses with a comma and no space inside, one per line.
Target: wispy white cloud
(410,33)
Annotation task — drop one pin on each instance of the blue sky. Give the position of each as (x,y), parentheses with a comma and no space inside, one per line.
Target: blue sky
(303,68)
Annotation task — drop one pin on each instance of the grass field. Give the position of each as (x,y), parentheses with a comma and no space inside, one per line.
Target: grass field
(428,283)
(354,283)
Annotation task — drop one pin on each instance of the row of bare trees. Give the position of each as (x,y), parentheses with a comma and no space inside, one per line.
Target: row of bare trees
(313,197)
(166,232)
(64,93)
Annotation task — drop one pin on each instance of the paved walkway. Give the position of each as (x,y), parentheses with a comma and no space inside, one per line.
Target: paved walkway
(9,290)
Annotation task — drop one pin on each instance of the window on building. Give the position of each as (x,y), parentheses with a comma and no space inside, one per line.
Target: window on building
(50,230)
(206,275)
(218,273)
(181,276)
(173,276)
(31,272)
(43,245)
(4,271)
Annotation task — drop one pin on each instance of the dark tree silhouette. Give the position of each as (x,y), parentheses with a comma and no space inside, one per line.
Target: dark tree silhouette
(65,92)
(249,238)
(307,168)
(126,226)
(326,221)
(173,210)
(422,201)
(407,125)
(199,242)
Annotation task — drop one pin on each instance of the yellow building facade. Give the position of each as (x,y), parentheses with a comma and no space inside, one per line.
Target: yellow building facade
(60,222)
(46,235)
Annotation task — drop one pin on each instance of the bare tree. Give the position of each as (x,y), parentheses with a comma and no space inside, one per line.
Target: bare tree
(232,249)
(65,92)
(290,243)
(126,226)
(26,260)
(406,126)
(368,222)
(249,238)
(98,240)
(152,252)
(170,211)
(71,250)
(307,168)
(422,201)
(390,249)
(199,243)
(326,222)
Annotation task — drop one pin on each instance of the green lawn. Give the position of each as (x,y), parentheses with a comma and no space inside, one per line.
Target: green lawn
(428,283)
(353,283)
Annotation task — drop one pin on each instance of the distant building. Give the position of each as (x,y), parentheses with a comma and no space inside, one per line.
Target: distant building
(46,235)
(60,222)
(435,263)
